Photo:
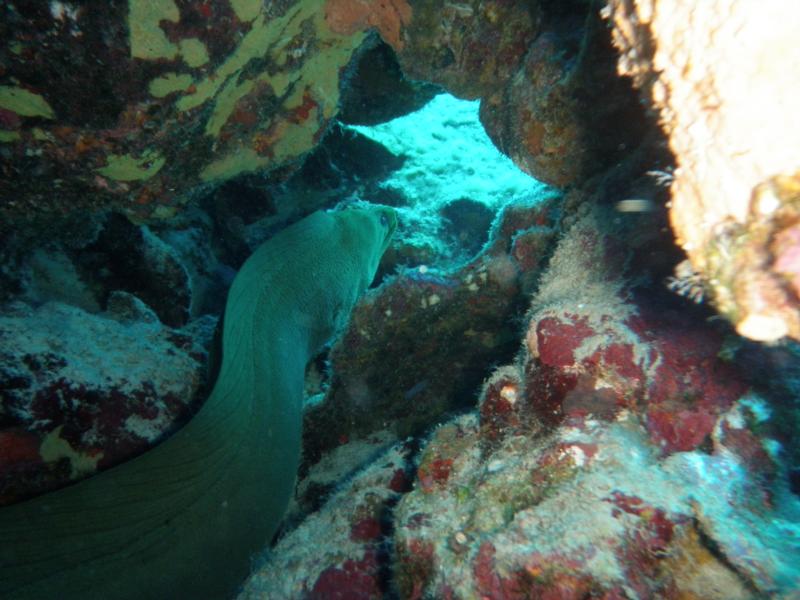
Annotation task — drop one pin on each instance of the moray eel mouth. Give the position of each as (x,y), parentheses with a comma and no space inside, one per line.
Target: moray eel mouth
(183,519)
(388,219)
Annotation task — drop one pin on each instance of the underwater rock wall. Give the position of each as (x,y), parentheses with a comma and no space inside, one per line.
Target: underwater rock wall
(355,519)
(135,107)
(621,456)
(625,452)
(132,106)
(718,74)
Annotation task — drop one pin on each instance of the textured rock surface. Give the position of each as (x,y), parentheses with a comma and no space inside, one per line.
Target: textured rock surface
(545,73)
(597,346)
(620,456)
(565,115)
(171,269)
(439,327)
(213,91)
(470,48)
(378,91)
(82,392)
(624,454)
(204,92)
(587,509)
(356,520)
(718,74)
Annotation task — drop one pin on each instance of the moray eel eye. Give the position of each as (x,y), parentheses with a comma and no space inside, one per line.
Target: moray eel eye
(388,219)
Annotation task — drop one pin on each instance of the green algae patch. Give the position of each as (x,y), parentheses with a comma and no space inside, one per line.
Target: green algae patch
(255,44)
(226,102)
(8,136)
(243,160)
(268,39)
(306,87)
(128,168)
(148,40)
(169,83)
(246,10)
(194,52)
(280,82)
(297,138)
(322,70)
(24,103)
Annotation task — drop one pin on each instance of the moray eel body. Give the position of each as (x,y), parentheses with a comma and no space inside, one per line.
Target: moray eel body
(184,519)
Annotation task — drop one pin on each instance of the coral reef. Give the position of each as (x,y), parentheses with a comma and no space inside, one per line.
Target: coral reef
(631,444)
(587,510)
(252,89)
(620,456)
(596,346)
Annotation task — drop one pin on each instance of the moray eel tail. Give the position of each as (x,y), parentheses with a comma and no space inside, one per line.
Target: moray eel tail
(183,519)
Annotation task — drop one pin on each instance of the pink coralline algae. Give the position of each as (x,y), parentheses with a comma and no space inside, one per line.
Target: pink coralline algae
(354,580)
(547,577)
(624,353)
(602,461)
(499,406)
(619,456)
(576,513)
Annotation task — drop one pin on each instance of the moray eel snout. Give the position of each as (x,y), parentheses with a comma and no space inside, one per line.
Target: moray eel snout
(184,519)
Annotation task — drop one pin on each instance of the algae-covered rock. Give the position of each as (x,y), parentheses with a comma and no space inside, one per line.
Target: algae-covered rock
(82,392)
(586,510)
(624,452)
(565,115)
(621,455)
(470,48)
(134,105)
(342,551)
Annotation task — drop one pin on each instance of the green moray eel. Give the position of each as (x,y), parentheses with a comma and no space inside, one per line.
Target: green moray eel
(184,519)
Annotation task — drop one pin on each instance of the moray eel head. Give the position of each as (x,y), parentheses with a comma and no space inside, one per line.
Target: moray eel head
(371,227)
(352,244)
